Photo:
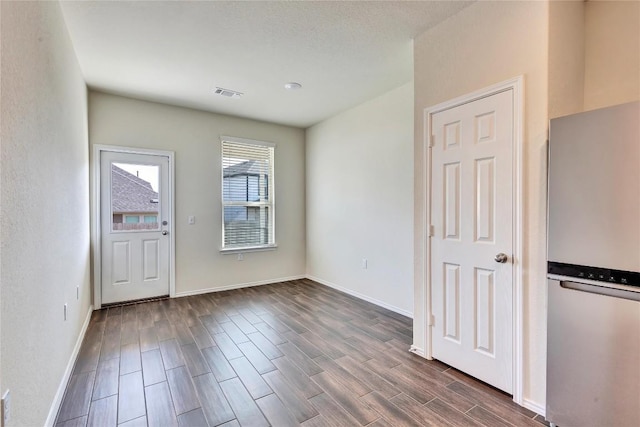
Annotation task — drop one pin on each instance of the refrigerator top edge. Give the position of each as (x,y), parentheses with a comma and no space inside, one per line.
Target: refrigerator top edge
(610,109)
(594,189)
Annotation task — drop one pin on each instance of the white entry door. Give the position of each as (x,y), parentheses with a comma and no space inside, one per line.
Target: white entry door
(471,249)
(134,212)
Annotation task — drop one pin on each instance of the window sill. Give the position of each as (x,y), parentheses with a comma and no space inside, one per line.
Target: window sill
(247,249)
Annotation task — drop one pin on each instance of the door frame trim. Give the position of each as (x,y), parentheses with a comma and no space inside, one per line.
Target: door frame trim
(516,85)
(96,237)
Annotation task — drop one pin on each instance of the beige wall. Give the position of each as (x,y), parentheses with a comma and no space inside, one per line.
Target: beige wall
(44,228)
(360,200)
(484,44)
(194,136)
(612,56)
(566,57)
(594,55)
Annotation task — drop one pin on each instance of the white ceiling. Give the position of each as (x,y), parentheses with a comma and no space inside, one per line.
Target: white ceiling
(343,53)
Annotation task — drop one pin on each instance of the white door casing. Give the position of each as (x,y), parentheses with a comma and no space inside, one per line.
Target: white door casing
(472,217)
(134,264)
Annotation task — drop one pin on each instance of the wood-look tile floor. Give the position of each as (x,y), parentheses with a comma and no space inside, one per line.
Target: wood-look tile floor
(292,353)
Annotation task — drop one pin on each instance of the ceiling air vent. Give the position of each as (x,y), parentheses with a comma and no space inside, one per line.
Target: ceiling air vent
(227,92)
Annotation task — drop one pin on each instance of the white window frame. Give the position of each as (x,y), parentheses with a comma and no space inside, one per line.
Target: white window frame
(271,204)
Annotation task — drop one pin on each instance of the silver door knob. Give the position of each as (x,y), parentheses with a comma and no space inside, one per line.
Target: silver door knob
(165,232)
(501,258)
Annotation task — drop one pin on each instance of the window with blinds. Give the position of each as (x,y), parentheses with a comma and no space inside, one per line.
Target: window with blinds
(247,194)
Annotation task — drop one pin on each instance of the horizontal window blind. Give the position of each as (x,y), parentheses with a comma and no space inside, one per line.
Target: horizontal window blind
(247,194)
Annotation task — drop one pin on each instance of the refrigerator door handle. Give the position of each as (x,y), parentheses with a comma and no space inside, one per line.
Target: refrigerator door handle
(601,290)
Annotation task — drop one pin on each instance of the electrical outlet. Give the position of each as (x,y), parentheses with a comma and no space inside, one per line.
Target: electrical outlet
(65,312)
(5,408)
(240,257)
(365,263)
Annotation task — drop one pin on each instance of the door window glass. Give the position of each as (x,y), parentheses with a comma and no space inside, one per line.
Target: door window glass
(134,197)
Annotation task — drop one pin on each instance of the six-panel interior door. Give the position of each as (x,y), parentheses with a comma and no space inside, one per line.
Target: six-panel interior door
(471,249)
(134,211)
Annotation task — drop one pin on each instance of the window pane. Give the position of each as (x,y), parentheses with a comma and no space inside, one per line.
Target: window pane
(134,196)
(246,184)
(246,226)
(247,189)
(148,219)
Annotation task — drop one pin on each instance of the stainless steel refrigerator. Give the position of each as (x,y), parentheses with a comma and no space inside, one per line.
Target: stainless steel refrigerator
(593,323)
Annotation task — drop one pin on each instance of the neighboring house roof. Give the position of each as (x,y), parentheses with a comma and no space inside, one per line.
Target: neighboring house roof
(250,167)
(130,193)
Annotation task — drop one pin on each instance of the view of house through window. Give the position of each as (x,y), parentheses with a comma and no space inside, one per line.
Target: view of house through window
(134,197)
(247,194)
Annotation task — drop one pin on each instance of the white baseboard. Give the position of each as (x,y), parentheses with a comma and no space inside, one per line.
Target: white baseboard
(419,351)
(237,286)
(362,296)
(534,406)
(57,400)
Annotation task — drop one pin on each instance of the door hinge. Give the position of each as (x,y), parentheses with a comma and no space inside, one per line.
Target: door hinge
(432,320)
(432,140)
(431,231)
